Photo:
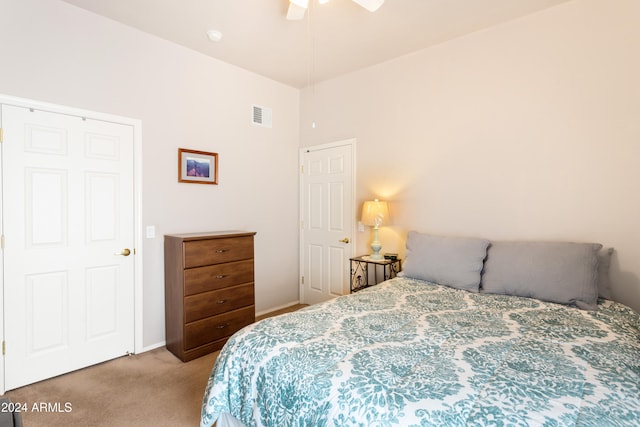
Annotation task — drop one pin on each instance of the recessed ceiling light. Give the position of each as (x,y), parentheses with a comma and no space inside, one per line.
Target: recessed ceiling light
(214,35)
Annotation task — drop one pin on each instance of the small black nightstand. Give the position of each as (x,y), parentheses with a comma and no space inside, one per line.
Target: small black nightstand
(360,271)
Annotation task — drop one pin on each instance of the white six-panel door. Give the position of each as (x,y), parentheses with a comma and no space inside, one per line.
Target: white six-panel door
(327,221)
(68,223)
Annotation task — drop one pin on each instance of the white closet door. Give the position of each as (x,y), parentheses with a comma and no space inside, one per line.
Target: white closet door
(68,224)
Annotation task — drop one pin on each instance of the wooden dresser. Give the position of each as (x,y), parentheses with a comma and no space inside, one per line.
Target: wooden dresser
(209,290)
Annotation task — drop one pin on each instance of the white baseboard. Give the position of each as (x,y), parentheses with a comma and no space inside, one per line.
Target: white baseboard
(280,307)
(153,346)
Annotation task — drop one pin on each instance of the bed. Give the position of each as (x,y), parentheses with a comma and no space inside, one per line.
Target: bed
(495,340)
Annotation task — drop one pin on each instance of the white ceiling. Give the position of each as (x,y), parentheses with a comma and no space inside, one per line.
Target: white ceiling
(334,38)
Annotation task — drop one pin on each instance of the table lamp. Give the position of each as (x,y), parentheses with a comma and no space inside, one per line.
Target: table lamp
(375,213)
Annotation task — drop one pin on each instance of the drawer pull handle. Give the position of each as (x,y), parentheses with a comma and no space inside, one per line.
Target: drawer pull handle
(224,325)
(222,301)
(221,251)
(221,276)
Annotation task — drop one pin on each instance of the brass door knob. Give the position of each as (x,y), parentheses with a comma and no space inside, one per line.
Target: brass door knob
(345,240)
(125,252)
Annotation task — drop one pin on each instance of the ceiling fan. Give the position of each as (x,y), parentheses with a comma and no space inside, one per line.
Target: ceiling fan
(297,8)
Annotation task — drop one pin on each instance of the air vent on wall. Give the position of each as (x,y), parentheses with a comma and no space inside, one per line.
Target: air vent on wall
(262,116)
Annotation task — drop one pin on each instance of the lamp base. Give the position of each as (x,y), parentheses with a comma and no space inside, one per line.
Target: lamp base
(375,248)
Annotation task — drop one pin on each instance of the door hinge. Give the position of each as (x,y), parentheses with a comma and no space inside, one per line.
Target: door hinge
(4,348)
(301,168)
(0,134)
(2,242)
(301,278)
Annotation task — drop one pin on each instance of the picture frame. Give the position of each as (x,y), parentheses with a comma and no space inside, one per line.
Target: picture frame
(197,167)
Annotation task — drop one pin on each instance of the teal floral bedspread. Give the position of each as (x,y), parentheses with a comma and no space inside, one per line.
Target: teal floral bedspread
(411,353)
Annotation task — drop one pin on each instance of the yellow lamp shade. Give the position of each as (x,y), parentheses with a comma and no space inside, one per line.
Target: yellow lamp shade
(375,213)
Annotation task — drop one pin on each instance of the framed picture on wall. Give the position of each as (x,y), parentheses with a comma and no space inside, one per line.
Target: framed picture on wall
(197,167)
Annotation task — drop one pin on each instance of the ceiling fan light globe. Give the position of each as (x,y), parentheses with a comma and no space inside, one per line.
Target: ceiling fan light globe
(370,5)
(295,12)
(300,3)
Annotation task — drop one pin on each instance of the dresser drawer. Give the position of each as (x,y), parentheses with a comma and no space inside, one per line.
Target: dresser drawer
(216,327)
(216,302)
(209,278)
(216,251)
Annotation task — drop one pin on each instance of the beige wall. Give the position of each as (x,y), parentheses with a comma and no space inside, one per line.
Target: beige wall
(57,53)
(527,130)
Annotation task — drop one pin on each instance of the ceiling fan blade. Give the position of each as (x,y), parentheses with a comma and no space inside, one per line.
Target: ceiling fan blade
(370,5)
(295,12)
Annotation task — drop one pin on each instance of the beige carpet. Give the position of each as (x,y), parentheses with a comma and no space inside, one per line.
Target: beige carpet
(149,389)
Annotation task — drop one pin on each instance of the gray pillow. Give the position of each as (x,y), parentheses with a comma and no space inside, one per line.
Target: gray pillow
(604,284)
(561,272)
(450,261)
